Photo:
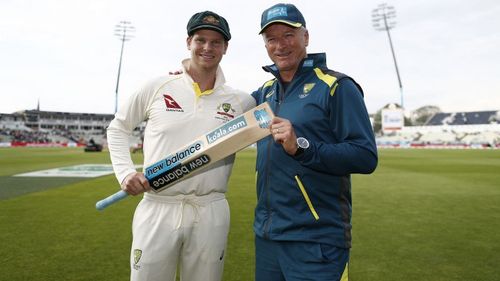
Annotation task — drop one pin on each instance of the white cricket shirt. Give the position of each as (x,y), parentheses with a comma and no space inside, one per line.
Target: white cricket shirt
(176,113)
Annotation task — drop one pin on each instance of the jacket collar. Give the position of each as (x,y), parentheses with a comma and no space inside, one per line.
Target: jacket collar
(310,62)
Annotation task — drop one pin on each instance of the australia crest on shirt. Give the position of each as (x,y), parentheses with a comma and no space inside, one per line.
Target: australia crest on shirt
(225,112)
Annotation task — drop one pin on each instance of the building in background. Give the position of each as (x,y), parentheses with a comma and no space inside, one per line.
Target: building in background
(49,128)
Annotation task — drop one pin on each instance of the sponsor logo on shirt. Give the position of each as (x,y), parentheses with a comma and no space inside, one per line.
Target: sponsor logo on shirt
(171,104)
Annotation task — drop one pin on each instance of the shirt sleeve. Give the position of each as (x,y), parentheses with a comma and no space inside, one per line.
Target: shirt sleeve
(255,96)
(354,149)
(128,117)
(248,102)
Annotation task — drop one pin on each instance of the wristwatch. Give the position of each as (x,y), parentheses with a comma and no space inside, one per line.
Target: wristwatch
(302,144)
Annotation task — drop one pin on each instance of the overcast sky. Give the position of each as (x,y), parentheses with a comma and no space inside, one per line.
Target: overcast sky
(64,52)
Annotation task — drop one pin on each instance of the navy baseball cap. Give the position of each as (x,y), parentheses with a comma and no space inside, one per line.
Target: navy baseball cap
(208,20)
(282,13)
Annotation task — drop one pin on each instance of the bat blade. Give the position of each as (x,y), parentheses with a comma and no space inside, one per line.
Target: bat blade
(204,151)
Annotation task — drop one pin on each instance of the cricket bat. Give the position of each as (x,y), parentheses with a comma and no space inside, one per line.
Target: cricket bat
(203,151)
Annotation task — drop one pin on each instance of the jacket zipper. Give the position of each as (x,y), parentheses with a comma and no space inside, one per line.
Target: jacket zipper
(268,221)
(280,99)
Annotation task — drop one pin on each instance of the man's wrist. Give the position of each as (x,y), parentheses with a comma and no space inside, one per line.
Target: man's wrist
(299,151)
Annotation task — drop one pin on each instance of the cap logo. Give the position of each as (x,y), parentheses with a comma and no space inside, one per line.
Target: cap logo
(277,12)
(211,20)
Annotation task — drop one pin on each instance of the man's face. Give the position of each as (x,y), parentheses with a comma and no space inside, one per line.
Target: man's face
(207,48)
(286,45)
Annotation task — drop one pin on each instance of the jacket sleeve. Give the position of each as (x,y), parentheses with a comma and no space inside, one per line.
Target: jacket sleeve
(353,149)
(257,96)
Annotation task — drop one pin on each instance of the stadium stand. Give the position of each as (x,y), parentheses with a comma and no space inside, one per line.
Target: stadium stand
(465,118)
(478,129)
(47,128)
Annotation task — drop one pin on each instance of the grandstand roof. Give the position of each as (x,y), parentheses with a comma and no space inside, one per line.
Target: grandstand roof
(464,118)
(58,113)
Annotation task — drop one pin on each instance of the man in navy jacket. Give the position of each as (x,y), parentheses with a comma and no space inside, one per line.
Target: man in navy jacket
(321,136)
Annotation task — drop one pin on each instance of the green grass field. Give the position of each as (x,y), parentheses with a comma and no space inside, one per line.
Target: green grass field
(423,215)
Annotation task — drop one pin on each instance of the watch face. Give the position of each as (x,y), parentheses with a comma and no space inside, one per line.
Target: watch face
(302,142)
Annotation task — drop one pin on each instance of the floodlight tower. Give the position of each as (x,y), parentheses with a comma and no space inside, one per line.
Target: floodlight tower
(123,31)
(383,20)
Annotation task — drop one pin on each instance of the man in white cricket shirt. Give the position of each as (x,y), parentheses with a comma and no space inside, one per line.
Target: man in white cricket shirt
(188,223)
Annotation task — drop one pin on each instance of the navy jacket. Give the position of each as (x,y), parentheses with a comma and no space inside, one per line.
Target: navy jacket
(308,197)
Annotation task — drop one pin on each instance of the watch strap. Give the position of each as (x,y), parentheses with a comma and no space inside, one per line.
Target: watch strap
(299,151)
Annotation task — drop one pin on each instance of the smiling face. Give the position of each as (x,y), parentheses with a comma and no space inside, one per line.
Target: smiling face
(207,48)
(286,47)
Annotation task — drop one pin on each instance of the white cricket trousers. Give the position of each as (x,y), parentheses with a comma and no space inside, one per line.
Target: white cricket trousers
(185,231)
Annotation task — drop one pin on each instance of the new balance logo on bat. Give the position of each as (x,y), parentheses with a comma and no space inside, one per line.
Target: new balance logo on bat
(172,160)
(175,173)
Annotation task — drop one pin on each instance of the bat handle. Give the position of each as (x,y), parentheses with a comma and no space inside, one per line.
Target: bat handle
(110,200)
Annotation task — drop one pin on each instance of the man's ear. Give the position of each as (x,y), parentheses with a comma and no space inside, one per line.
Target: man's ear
(188,42)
